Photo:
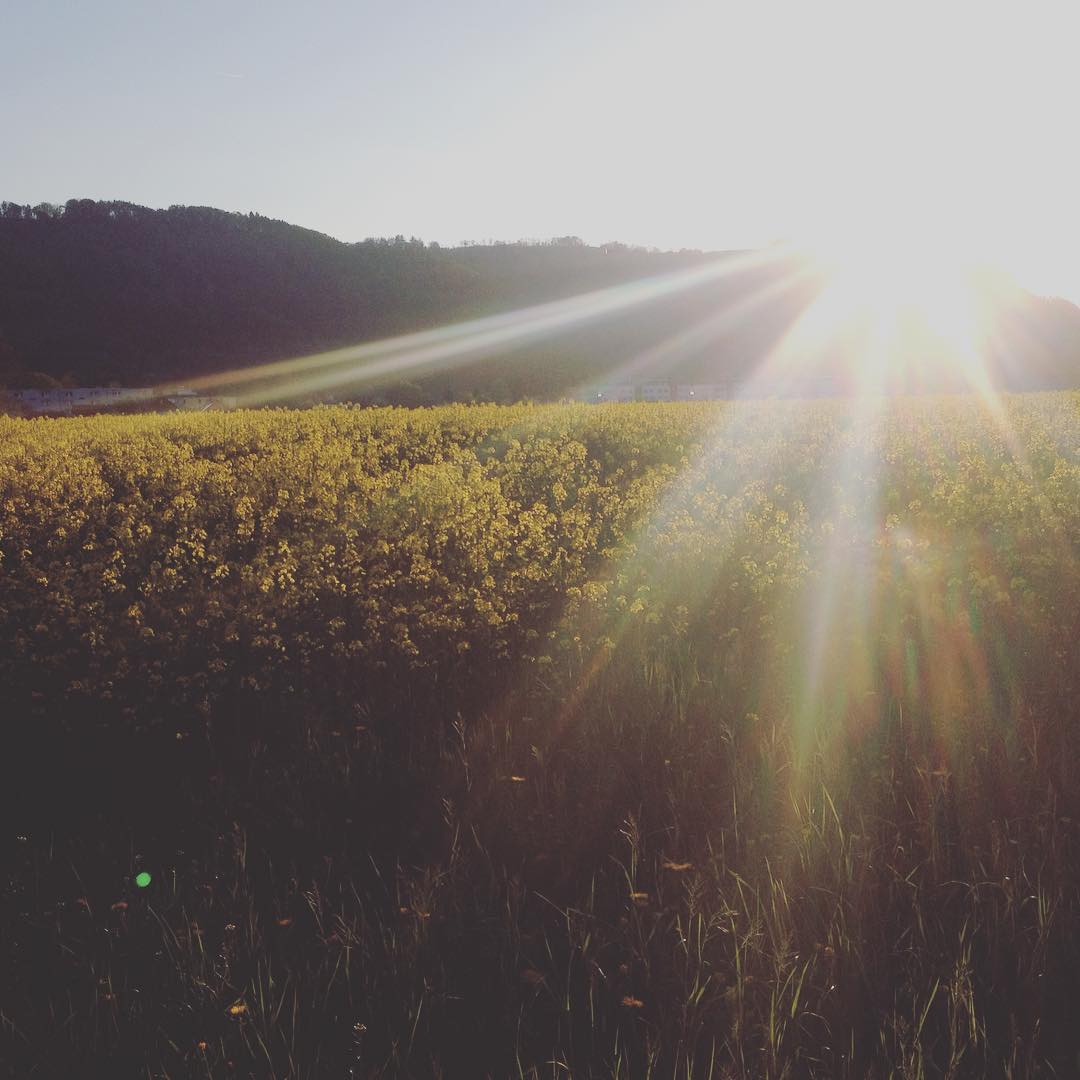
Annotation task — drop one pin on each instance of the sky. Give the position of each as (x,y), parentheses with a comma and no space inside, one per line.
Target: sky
(675,124)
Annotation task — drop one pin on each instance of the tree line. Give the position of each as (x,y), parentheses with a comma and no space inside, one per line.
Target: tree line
(98,292)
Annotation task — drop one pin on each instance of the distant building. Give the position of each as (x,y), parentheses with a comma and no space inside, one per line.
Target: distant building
(657,390)
(63,400)
(607,392)
(653,391)
(103,398)
(193,401)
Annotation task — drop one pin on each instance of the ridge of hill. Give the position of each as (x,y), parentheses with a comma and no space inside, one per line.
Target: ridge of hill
(99,292)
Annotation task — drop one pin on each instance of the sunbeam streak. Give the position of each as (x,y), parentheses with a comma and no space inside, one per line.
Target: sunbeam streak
(658,360)
(355,366)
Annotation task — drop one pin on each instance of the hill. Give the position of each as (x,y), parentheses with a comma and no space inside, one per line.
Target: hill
(98,292)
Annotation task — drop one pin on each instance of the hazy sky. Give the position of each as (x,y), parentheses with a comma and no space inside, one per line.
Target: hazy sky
(670,124)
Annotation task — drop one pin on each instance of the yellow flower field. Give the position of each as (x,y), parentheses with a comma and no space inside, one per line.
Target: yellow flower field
(652,739)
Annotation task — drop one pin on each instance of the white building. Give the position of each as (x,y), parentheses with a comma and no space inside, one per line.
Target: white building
(653,391)
(606,393)
(657,390)
(193,401)
(67,400)
(64,400)
(729,390)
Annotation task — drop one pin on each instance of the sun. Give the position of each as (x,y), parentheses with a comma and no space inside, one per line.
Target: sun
(900,288)
(901,257)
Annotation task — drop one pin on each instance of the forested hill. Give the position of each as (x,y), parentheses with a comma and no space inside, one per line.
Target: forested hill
(112,291)
(98,292)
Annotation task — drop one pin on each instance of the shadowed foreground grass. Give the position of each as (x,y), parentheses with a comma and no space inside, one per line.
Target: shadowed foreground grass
(779,780)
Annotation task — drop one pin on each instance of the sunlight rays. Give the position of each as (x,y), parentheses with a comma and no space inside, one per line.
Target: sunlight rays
(872,626)
(353,368)
(658,360)
(871,330)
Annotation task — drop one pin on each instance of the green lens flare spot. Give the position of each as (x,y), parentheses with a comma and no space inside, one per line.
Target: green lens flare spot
(142,879)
